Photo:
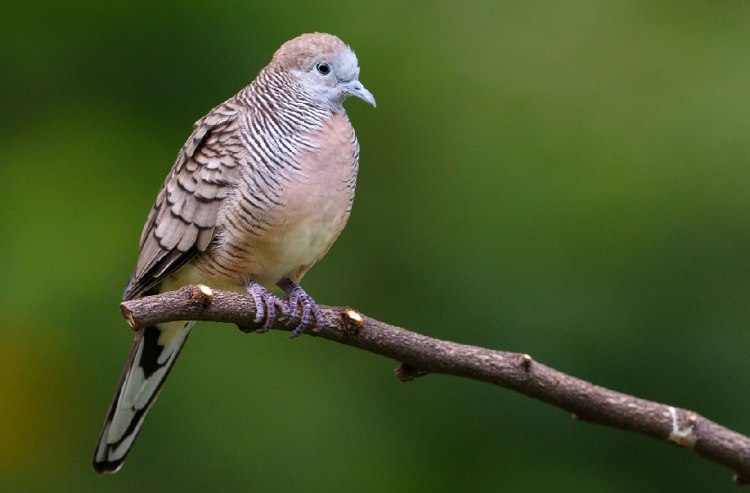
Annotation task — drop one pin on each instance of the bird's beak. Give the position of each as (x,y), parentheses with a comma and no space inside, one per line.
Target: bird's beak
(355,88)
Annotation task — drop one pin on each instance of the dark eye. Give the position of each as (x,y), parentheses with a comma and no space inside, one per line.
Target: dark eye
(323,68)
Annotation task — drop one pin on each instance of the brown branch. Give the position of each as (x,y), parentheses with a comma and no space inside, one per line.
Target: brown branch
(420,355)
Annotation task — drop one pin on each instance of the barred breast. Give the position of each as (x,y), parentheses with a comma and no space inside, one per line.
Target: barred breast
(282,220)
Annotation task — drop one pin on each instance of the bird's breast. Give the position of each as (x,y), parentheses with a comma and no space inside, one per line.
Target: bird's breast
(312,198)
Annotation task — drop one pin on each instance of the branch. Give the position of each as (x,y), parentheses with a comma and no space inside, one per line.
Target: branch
(420,355)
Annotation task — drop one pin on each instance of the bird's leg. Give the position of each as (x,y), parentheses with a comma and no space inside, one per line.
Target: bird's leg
(301,304)
(267,305)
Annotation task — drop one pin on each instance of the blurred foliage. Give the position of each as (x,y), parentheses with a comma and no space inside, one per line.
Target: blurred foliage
(567,179)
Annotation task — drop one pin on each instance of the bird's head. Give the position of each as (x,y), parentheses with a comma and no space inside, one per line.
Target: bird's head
(325,67)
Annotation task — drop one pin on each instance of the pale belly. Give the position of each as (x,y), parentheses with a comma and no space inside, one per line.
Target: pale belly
(295,245)
(289,253)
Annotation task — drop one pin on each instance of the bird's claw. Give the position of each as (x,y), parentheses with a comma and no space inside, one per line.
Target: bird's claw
(302,306)
(267,306)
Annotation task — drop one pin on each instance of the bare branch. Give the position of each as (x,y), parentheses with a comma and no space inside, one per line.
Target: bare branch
(420,355)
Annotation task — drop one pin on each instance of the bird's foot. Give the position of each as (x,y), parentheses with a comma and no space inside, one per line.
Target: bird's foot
(301,304)
(267,306)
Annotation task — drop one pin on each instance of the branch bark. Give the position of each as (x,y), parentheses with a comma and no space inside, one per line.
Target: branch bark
(420,355)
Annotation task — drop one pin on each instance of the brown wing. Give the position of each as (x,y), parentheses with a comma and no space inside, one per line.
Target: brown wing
(183,218)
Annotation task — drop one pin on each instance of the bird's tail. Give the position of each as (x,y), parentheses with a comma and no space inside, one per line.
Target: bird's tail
(151,358)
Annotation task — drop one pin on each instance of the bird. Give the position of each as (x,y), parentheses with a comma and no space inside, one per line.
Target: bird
(257,195)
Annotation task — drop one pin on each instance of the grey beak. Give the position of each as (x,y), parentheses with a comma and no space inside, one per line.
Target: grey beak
(355,88)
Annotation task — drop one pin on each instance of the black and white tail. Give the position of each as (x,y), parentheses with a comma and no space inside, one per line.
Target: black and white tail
(151,358)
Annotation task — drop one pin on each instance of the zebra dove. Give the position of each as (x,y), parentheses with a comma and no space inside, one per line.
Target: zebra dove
(256,197)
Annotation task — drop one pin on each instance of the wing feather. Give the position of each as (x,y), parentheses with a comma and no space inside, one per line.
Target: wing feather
(182,221)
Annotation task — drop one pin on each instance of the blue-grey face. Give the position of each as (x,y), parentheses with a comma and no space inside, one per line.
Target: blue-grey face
(331,81)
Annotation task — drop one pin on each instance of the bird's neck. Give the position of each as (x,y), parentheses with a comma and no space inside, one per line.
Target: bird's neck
(275,93)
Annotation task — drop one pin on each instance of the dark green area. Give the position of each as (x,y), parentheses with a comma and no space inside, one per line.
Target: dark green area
(566,179)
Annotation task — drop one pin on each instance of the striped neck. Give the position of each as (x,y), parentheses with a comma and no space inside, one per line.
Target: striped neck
(278,100)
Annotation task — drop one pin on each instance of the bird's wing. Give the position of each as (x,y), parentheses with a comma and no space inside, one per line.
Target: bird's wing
(183,219)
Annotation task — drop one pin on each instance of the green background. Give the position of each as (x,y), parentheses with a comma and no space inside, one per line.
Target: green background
(566,179)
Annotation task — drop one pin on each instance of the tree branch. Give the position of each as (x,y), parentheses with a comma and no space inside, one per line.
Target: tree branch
(420,355)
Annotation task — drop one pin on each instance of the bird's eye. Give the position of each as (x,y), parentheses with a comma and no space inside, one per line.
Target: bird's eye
(323,68)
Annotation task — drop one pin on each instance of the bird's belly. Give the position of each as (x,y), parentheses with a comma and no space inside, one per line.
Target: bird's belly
(294,245)
(293,237)
(286,250)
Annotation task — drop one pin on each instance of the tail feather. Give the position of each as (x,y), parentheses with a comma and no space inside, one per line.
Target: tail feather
(154,351)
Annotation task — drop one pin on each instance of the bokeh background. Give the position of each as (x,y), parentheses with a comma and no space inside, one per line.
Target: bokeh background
(566,179)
